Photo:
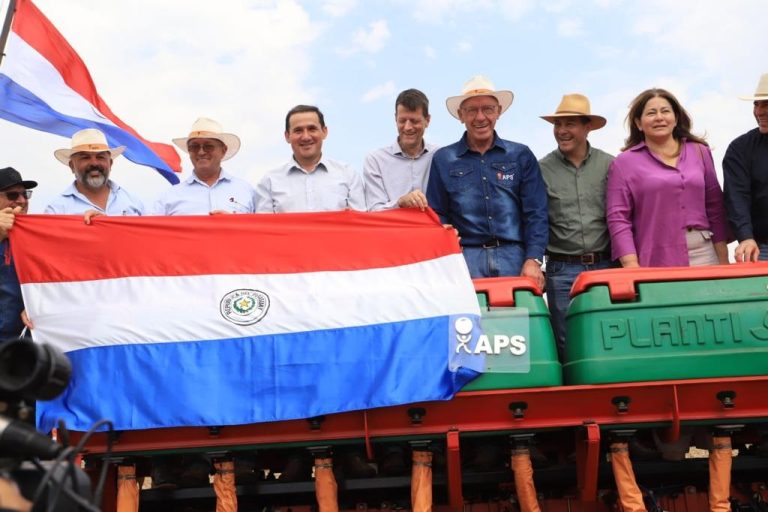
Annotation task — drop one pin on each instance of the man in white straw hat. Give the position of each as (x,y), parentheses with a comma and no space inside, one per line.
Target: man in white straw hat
(90,159)
(209,189)
(309,181)
(745,172)
(575,174)
(490,189)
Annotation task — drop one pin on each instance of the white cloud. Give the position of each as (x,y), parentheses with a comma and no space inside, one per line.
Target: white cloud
(514,10)
(558,6)
(384,90)
(338,8)
(717,35)
(464,46)
(570,28)
(372,40)
(430,53)
(456,11)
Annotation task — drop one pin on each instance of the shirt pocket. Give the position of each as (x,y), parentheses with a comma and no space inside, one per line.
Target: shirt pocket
(459,179)
(506,175)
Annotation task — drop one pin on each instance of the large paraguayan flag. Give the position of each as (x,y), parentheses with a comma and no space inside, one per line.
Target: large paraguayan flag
(45,85)
(236,319)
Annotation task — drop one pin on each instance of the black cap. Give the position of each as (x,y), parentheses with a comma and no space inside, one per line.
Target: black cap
(10,177)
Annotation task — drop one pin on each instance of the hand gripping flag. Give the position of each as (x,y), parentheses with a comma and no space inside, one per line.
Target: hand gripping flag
(236,319)
(45,85)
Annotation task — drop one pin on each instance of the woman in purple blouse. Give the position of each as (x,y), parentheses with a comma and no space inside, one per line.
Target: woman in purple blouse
(664,204)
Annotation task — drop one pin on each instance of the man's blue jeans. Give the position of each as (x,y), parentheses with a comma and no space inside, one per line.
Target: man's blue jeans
(560,276)
(504,260)
(763,252)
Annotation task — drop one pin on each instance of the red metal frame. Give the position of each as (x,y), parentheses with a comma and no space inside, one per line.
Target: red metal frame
(660,402)
(453,463)
(587,461)
(589,408)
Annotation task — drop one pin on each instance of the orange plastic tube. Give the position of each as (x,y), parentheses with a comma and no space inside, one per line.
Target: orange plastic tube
(629,493)
(224,486)
(326,490)
(526,491)
(421,482)
(720,461)
(127,489)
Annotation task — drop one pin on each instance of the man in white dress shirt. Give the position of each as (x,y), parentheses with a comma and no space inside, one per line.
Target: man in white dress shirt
(396,176)
(309,182)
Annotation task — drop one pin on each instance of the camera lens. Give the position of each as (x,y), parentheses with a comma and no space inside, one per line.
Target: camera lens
(32,371)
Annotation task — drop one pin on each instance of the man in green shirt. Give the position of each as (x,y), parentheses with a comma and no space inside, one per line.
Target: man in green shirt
(575,175)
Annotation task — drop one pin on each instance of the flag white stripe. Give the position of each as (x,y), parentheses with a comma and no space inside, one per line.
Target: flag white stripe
(139,310)
(29,69)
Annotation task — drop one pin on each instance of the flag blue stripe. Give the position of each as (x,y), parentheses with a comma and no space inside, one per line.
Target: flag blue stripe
(258,379)
(19,105)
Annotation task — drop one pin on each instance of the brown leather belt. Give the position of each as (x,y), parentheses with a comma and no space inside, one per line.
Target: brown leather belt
(589,258)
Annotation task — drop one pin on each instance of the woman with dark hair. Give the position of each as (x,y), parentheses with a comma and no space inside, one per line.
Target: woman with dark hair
(664,205)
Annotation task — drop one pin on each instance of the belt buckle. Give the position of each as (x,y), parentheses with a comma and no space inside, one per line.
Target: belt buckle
(491,244)
(588,259)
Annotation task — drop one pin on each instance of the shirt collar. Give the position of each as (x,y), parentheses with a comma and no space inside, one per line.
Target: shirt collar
(71,190)
(565,159)
(192,178)
(396,150)
(295,167)
(464,146)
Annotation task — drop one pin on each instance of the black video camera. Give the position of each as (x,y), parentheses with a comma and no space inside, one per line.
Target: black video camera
(44,471)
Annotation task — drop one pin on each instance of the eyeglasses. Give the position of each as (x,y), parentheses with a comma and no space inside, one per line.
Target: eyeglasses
(207,148)
(487,110)
(15,194)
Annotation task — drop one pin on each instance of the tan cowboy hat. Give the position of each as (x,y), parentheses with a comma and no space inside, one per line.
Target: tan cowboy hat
(205,128)
(89,140)
(761,94)
(576,105)
(478,86)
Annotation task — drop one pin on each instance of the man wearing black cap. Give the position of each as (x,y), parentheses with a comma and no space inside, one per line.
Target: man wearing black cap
(14,199)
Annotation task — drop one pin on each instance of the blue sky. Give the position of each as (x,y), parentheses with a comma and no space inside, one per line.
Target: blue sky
(160,65)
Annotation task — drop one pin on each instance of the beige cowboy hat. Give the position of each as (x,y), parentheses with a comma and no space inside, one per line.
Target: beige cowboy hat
(205,128)
(89,140)
(576,105)
(761,94)
(478,86)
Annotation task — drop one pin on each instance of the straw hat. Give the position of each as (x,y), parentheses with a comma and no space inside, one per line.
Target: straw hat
(205,128)
(576,105)
(89,140)
(478,86)
(761,93)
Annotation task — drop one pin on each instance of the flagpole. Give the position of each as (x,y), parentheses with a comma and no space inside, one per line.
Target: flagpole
(7,27)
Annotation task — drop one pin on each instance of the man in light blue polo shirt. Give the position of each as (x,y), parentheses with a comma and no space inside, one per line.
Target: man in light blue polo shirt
(90,159)
(309,182)
(208,190)
(396,176)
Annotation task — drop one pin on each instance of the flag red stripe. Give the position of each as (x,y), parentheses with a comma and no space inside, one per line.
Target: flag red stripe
(63,248)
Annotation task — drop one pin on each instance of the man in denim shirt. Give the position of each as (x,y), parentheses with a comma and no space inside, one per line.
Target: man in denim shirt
(490,189)
(14,200)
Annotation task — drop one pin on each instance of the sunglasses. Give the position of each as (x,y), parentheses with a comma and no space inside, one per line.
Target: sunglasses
(14,195)
(207,148)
